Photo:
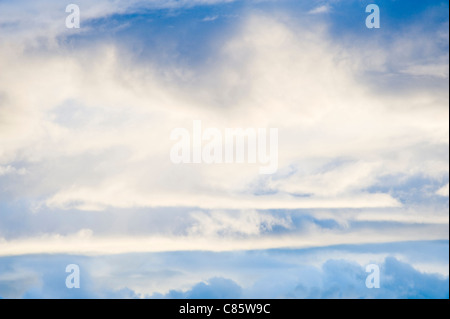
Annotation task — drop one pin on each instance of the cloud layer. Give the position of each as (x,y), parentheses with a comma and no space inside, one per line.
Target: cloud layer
(333,272)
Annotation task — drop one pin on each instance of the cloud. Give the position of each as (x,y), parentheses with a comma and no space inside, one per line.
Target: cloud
(210,18)
(443,191)
(320,9)
(117,196)
(43,19)
(11,170)
(83,242)
(327,272)
(336,279)
(15,283)
(214,288)
(116,128)
(436,70)
(223,224)
(85,122)
(398,280)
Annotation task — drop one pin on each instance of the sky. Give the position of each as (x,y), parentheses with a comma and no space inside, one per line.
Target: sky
(86,178)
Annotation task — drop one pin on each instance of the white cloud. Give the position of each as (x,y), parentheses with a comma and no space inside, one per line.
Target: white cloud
(4,170)
(437,70)
(210,18)
(443,191)
(112,116)
(246,223)
(92,127)
(85,243)
(320,9)
(120,195)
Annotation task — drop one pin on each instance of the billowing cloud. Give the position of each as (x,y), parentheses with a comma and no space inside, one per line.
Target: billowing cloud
(115,115)
(214,288)
(257,274)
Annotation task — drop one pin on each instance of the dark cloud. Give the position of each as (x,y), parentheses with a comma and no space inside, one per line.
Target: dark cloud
(338,279)
(275,274)
(398,280)
(214,288)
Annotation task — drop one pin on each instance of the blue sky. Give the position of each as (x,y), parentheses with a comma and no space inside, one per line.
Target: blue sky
(85,174)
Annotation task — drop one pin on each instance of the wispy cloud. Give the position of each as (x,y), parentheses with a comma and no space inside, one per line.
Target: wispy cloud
(321,9)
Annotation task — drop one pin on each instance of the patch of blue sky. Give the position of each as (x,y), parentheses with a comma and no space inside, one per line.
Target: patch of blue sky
(17,219)
(191,31)
(184,35)
(409,190)
(348,17)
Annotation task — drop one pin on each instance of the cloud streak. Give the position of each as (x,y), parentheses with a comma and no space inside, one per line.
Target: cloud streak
(84,242)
